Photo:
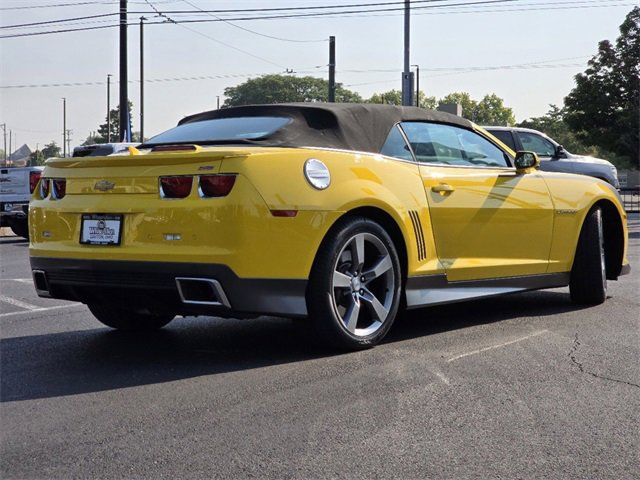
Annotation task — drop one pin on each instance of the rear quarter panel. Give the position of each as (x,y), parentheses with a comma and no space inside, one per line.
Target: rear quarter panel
(573,197)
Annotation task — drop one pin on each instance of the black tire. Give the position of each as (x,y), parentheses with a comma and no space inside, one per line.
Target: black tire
(123,319)
(588,284)
(20,227)
(338,288)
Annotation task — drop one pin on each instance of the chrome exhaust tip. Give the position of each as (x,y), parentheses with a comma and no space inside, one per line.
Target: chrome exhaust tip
(201,291)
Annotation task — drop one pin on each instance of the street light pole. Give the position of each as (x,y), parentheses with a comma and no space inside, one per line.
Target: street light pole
(4,130)
(406,75)
(64,127)
(142,19)
(417,85)
(124,77)
(332,69)
(109,108)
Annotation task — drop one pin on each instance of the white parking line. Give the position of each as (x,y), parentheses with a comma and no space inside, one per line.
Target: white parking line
(18,303)
(480,350)
(440,375)
(23,280)
(44,309)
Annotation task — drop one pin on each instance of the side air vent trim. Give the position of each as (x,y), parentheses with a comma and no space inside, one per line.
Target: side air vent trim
(417,229)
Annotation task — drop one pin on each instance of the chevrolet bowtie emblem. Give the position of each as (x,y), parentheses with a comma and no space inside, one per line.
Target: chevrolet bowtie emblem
(104,185)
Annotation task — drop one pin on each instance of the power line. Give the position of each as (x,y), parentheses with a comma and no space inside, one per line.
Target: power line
(253,31)
(540,64)
(580,4)
(197,32)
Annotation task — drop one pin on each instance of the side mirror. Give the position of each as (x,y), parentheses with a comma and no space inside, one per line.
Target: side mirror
(525,161)
(560,152)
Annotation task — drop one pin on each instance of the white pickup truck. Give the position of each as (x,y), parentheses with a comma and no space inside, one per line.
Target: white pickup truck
(16,186)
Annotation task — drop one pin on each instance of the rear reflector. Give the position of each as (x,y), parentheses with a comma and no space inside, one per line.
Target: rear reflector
(59,188)
(33,180)
(175,187)
(284,213)
(216,185)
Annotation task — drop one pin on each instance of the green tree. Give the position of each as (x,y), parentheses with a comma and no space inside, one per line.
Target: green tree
(604,107)
(491,110)
(101,135)
(283,89)
(36,158)
(51,150)
(394,97)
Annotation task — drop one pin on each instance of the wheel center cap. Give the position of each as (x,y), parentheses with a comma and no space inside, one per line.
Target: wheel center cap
(355,284)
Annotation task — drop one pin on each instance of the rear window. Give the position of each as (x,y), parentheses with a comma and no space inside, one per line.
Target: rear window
(505,137)
(221,130)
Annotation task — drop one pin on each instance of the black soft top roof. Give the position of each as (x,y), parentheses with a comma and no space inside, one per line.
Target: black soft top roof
(348,126)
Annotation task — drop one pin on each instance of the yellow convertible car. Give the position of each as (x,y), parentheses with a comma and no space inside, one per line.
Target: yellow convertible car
(340,213)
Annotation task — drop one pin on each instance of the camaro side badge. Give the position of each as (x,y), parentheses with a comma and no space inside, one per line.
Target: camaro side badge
(566,212)
(104,185)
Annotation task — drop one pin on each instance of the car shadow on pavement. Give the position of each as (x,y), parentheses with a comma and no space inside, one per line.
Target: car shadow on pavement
(83,361)
(12,240)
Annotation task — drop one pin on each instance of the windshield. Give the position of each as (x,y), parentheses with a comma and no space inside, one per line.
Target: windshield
(221,130)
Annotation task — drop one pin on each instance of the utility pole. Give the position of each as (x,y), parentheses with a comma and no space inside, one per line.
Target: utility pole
(64,127)
(418,86)
(407,76)
(332,69)
(4,130)
(142,19)
(218,102)
(10,136)
(124,77)
(109,108)
(69,141)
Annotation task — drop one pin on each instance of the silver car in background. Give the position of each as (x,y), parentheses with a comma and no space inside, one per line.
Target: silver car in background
(553,157)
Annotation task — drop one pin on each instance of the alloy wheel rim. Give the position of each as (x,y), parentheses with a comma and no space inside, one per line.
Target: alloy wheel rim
(362,286)
(603,262)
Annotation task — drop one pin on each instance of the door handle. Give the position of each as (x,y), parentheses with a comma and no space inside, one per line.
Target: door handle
(442,188)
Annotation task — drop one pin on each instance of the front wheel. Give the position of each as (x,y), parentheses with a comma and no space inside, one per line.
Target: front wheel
(588,284)
(355,285)
(124,319)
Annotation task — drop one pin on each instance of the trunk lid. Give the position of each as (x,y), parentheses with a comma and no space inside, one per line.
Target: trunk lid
(134,173)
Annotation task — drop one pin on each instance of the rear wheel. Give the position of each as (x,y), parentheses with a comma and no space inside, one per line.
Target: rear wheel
(124,319)
(588,284)
(355,285)
(20,227)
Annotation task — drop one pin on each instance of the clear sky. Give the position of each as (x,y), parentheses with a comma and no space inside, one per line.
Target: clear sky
(557,39)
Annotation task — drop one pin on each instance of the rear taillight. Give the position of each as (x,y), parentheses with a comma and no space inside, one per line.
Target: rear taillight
(175,187)
(59,188)
(44,187)
(33,180)
(216,185)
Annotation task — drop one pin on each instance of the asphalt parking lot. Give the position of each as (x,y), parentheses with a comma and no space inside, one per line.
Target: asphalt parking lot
(525,386)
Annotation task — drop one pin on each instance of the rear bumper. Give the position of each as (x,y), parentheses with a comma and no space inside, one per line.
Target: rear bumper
(153,284)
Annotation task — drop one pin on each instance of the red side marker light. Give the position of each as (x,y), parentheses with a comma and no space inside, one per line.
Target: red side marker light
(284,213)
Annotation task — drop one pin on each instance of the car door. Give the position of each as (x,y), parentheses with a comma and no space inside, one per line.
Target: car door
(488,221)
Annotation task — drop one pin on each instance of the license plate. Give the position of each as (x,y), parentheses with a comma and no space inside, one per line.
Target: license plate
(101,229)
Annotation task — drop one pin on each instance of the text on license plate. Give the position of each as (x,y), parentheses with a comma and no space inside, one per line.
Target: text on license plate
(101,229)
